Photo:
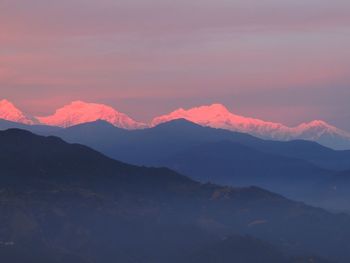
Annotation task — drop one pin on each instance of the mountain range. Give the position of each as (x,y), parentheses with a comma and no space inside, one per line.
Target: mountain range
(68,203)
(62,201)
(215,116)
(301,170)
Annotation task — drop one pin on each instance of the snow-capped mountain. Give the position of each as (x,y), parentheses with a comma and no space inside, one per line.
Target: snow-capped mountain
(79,112)
(218,116)
(215,115)
(324,134)
(9,112)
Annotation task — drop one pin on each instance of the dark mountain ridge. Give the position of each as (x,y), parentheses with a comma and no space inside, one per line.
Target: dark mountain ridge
(101,134)
(307,167)
(168,138)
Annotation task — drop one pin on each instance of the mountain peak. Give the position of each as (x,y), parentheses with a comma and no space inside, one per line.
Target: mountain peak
(9,112)
(5,102)
(315,123)
(80,103)
(317,129)
(319,125)
(217,107)
(177,124)
(78,112)
(201,115)
(218,116)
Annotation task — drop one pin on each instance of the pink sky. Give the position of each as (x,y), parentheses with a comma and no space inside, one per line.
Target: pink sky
(285,61)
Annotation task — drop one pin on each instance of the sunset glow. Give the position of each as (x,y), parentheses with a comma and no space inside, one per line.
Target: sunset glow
(265,60)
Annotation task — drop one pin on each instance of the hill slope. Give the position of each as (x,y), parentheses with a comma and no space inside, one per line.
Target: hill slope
(69,203)
(235,164)
(269,164)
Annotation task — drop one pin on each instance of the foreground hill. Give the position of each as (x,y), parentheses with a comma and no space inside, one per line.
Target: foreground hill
(67,203)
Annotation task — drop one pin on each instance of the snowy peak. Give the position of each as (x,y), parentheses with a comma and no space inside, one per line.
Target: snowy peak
(218,116)
(316,124)
(215,108)
(78,112)
(9,112)
(200,115)
(317,129)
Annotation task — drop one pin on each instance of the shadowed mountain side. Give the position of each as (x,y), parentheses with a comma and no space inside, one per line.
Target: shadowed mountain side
(284,167)
(73,204)
(234,164)
(336,194)
(284,162)
(39,129)
(50,159)
(170,138)
(144,147)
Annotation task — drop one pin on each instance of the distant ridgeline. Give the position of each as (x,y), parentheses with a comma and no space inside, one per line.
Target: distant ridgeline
(215,116)
(301,170)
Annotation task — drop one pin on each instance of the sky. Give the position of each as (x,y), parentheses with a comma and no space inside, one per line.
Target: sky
(279,60)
